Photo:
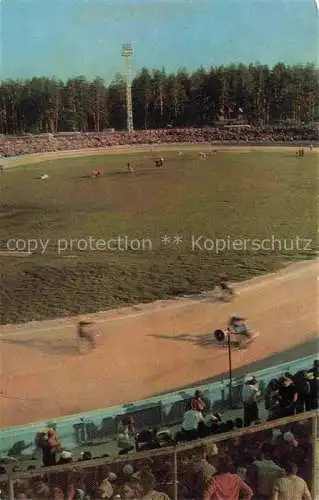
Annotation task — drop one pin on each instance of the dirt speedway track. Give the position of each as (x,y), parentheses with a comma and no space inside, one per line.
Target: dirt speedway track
(148,349)
(150,148)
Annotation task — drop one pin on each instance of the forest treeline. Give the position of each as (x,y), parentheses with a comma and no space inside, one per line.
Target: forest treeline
(256,93)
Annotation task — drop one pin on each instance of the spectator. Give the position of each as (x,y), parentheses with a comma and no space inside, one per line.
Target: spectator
(272,399)
(147,440)
(127,422)
(41,491)
(198,402)
(49,449)
(241,471)
(126,437)
(57,494)
(127,492)
(106,487)
(313,377)
(86,455)
(287,397)
(192,421)
(127,472)
(290,487)
(148,483)
(239,423)
(75,493)
(225,485)
(208,463)
(303,388)
(249,396)
(267,471)
(65,458)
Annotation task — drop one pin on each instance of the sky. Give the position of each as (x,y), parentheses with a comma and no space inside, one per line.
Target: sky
(67,38)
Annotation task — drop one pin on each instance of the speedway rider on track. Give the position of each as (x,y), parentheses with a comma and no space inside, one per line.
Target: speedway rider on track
(238,326)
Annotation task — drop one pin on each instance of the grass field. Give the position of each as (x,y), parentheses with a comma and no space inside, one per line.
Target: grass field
(229,196)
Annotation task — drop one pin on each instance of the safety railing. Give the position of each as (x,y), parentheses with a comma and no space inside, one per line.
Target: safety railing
(177,469)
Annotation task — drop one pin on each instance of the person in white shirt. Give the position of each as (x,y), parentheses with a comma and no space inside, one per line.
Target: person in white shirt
(191,421)
(249,396)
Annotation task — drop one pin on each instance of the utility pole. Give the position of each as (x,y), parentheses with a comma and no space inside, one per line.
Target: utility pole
(127,53)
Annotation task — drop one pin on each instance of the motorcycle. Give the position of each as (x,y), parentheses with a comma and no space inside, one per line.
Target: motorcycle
(223,294)
(236,339)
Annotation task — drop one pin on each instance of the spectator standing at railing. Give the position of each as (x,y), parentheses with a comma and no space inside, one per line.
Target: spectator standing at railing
(287,397)
(271,399)
(290,487)
(313,377)
(226,485)
(50,449)
(126,435)
(303,388)
(250,394)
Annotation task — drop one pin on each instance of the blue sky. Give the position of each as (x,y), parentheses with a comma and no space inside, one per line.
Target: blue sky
(66,38)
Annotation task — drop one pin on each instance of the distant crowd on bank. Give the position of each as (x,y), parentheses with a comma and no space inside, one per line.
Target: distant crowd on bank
(11,146)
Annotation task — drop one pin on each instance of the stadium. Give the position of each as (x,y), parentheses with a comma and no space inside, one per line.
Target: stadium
(144,223)
(170,340)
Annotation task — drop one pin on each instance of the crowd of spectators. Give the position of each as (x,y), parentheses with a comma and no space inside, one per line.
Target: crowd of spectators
(253,465)
(22,145)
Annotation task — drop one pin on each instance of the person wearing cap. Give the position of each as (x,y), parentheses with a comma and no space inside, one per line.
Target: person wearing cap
(287,397)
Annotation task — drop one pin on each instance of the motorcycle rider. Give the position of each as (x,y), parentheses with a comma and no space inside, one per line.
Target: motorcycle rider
(238,326)
(224,284)
(84,332)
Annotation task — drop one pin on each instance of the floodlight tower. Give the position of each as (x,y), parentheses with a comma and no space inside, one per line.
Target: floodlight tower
(127,53)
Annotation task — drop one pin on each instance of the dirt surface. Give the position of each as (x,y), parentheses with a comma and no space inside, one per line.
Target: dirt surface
(148,349)
(55,155)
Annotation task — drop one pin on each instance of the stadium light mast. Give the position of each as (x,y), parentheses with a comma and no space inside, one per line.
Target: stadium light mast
(127,53)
